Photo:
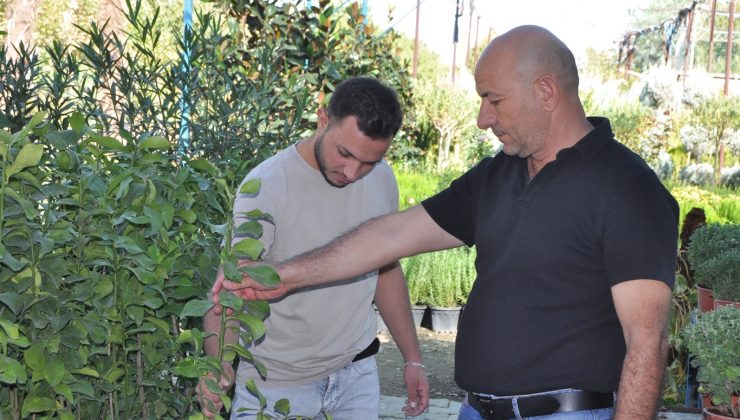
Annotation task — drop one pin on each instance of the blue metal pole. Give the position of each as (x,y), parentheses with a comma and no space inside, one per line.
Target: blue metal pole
(184,142)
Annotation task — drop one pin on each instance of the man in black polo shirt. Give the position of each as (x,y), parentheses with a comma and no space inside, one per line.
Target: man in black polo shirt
(576,243)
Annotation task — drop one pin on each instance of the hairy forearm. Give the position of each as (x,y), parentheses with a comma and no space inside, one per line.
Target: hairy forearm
(642,380)
(368,247)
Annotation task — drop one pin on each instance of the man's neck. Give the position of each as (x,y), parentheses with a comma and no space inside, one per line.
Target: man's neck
(306,150)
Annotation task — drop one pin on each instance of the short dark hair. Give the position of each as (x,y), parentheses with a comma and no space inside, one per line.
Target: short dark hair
(375,105)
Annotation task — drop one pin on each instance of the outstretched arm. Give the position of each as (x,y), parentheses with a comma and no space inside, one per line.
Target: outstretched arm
(642,307)
(392,300)
(368,247)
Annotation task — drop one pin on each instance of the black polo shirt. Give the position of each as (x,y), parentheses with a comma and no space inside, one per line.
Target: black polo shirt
(540,315)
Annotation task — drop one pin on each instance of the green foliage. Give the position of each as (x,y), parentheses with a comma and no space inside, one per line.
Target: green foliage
(107,249)
(247,89)
(714,341)
(720,205)
(629,120)
(414,187)
(714,254)
(452,114)
(442,278)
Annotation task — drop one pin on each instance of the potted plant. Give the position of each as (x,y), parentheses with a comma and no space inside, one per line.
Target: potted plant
(452,276)
(714,342)
(416,269)
(714,255)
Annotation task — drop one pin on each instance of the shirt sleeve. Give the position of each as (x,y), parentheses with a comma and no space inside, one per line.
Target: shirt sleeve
(641,232)
(453,209)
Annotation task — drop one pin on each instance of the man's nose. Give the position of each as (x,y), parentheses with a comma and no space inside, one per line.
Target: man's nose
(353,171)
(486,117)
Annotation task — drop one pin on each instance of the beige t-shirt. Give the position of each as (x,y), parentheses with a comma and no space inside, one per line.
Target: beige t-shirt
(313,332)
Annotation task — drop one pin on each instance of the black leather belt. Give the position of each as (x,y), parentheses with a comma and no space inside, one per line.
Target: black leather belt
(370,350)
(540,405)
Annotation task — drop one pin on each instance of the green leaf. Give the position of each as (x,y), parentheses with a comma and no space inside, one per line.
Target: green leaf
(29,179)
(202,165)
(144,276)
(77,121)
(82,387)
(153,303)
(103,288)
(187,368)
(87,371)
(258,214)
(62,139)
(107,142)
(161,324)
(187,215)
(196,308)
(114,374)
(54,371)
(232,272)
(167,211)
(10,329)
(255,327)
(263,274)
(257,308)
(154,142)
(30,155)
(11,371)
(35,404)
(230,300)
(65,391)
(252,388)
(251,187)
(14,301)
(34,357)
(35,120)
(28,207)
(282,406)
(250,247)
(252,229)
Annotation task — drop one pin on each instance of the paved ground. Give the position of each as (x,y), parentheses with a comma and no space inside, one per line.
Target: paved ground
(441,409)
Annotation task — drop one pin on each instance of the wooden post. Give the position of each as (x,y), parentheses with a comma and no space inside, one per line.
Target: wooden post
(711,36)
(728,56)
(416,41)
(689,26)
(726,91)
(470,29)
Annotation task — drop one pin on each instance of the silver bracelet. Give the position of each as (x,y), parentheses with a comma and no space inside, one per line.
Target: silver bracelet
(417,364)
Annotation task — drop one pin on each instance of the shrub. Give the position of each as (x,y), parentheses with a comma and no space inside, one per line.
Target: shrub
(697,174)
(442,278)
(714,255)
(714,341)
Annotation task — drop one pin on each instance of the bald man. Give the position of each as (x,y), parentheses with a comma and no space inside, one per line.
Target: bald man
(576,243)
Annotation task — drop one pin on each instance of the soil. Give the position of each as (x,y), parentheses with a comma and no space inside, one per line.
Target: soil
(438,351)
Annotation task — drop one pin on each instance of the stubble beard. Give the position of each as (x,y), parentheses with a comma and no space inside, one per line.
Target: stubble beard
(321,161)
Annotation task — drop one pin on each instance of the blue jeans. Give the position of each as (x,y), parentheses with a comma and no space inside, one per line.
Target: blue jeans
(351,393)
(467,412)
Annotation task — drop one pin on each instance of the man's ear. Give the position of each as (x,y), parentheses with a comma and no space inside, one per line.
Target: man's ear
(323,119)
(548,91)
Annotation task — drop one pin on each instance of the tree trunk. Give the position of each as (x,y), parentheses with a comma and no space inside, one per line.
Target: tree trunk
(21,16)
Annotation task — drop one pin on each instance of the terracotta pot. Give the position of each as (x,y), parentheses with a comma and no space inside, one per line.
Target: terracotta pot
(705,298)
(709,414)
(721,302)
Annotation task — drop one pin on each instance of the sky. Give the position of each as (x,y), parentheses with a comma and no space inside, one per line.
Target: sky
(580,24)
